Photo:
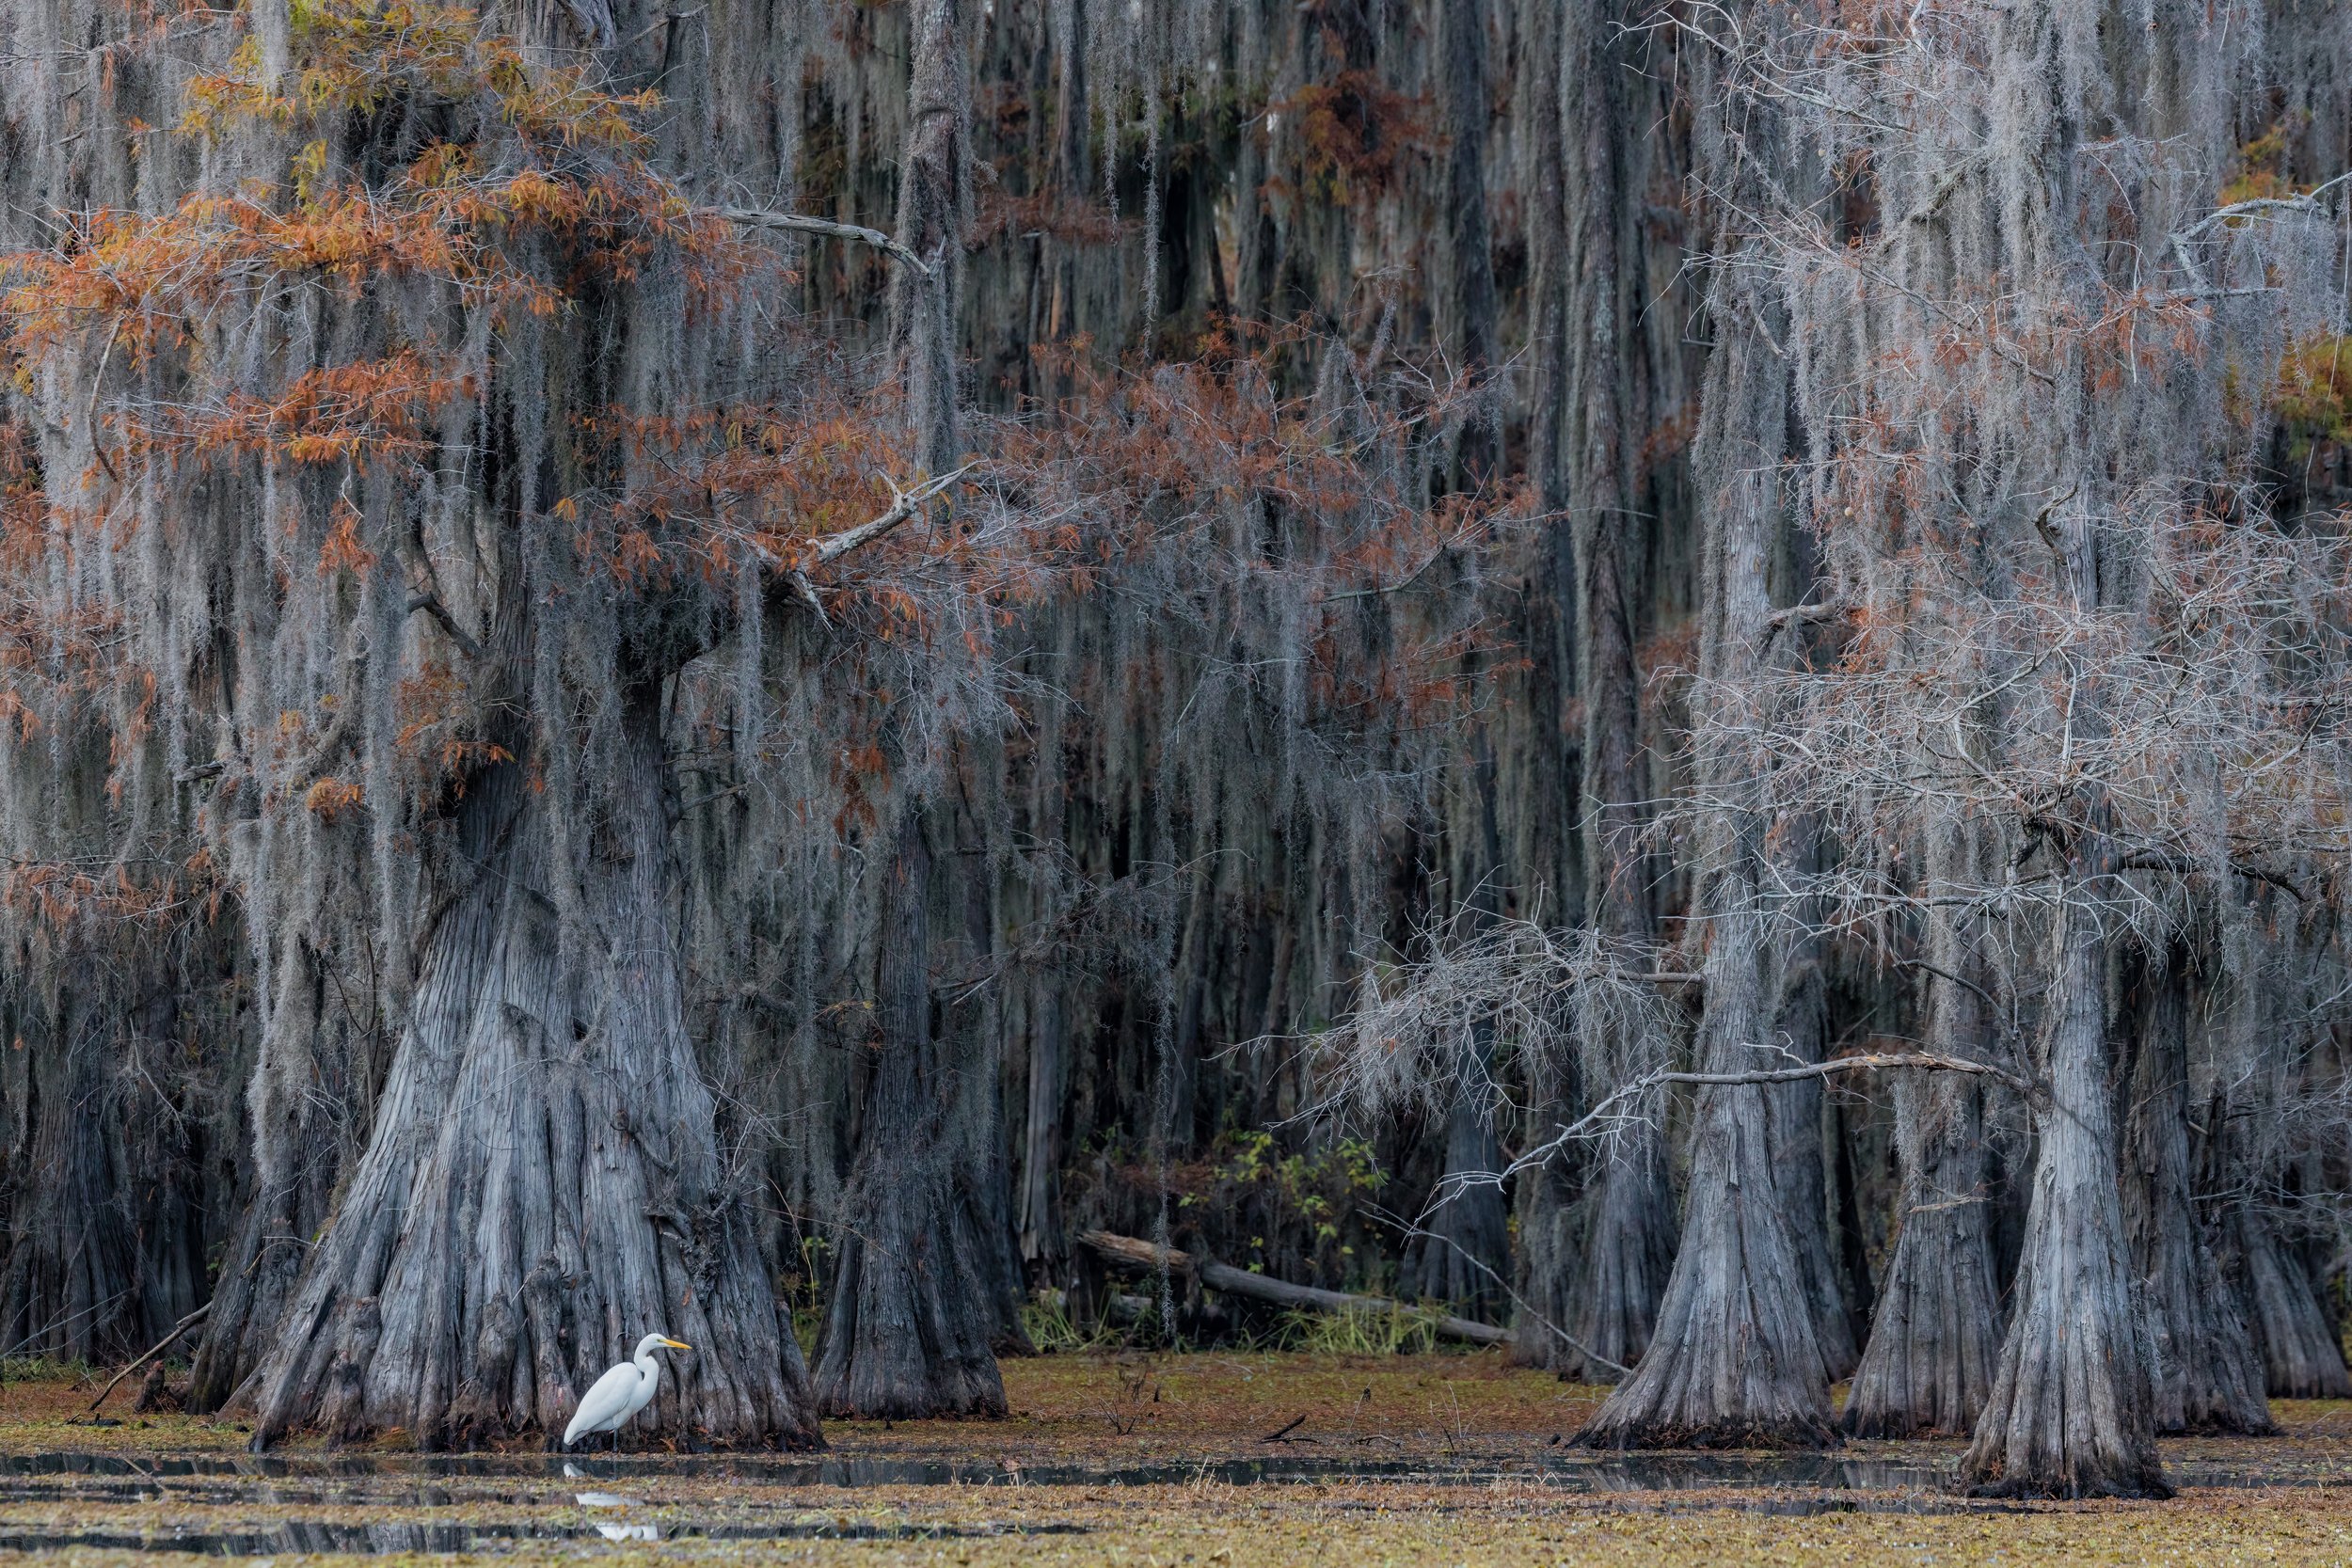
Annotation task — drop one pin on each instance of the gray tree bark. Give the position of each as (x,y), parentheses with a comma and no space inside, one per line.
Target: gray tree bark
(910,1327)
(2301,1357)
(1736,1359)
(543,1186)
(1928,1366)
(2072,1408)
(1606,1265)
(2207,1375)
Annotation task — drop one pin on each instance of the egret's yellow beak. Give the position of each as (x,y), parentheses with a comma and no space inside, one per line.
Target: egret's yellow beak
(678,1344)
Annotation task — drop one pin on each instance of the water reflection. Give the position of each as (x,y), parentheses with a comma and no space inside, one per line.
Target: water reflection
(547,1492)
(216,1476)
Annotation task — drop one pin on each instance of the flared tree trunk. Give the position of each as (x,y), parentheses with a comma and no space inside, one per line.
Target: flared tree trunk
(1926,1370)
(2207,1374)
(1928,1366)
(1735,1361)
(2301,1357)
(1736,1357)
(1625,1216)
(2072,1408)
(543,1186)
(70,1285)
(262,1277)
(1463,1257)
(1628,1254)
(306,1112)
(910,1322)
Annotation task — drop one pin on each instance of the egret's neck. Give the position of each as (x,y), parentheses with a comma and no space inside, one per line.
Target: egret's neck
(647,1368)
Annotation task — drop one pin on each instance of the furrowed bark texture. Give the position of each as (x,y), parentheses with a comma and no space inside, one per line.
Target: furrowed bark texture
(2301,1357)
(1736,1357)
(2073,1408)
(1629,1238)
(1734,1360)
(1928,1364)
(1800,1030)
(1464,1256)
(72,1284)
(1927,1367)
(1627,1255)
(934,205)
(908,1334)
(1602,1264)
(2208,1376)
(543,1187)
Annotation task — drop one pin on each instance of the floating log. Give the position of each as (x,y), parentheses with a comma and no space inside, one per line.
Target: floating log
(1141,1256)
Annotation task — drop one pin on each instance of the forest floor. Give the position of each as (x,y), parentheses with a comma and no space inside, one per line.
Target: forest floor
(1209,1458)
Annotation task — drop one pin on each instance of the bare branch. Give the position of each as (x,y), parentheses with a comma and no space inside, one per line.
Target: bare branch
(754,218)
(835,546)
(161,1345)
(1927,1060)
(431,604)
(1142,1255)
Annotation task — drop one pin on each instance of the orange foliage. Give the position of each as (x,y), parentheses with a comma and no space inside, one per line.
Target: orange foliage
(450,217)
(1353,131)
(330,798)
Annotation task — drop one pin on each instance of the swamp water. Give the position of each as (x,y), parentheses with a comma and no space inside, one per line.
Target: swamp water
(267,1505)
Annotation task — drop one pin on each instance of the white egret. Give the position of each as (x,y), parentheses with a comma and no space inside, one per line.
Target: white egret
(621,1392)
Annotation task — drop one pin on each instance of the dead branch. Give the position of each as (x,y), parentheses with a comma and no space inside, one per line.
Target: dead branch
(1806,614)
(431,604)
(1143,1255)
(834,547)
(1927,1059)
(796,223)
(165,1343)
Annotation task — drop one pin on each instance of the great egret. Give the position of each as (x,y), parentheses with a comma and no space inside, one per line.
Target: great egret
(621,1392)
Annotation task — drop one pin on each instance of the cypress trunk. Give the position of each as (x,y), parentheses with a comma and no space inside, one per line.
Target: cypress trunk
(544,1184)
(1464,1255)
(1800,1028)
(1928,1366)
(1629,1202)
(2207,1375)
(2072,1408)
(1467,1250)
(2301,1357)
(1628,1256)
(1735,1361)
(911,1323)
(70,1290)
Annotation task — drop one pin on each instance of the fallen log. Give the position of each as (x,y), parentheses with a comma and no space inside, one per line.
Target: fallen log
(1144,1256)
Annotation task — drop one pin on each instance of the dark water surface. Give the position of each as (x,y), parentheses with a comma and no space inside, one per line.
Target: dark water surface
(1575,1469)
(609,1497)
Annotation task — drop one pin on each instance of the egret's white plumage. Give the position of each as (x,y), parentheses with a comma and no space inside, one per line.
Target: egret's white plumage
(621,1392)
